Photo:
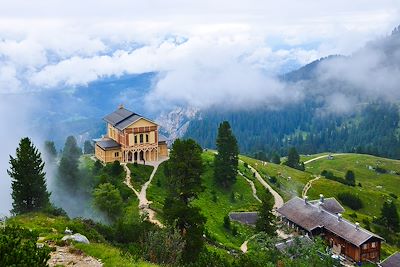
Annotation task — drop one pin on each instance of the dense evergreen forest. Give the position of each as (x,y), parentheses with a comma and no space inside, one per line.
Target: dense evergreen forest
(373,129)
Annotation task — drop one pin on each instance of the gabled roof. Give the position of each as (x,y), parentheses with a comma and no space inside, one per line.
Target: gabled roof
(310,216)
(108,144)
(329,204)
(391,261)
(122,118)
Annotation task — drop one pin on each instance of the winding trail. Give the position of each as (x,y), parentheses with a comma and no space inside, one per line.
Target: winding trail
(278,202)
(325,156)
(253,187)
(144,203)
(308,186)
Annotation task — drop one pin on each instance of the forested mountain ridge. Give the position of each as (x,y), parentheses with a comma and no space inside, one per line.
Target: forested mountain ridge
(350,105)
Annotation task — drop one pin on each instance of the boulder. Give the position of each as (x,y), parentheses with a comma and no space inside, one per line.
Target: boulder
(77,238)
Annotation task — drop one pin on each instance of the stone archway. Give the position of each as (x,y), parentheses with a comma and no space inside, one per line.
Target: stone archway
(136,156)
(141,155)
(129,156)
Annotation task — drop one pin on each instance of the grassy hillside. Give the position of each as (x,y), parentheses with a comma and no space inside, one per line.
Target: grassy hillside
(139,174)
(51,228)
(214,202)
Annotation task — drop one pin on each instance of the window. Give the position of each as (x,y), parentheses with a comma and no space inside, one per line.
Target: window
(116,154)
(147,138)
(141,138)
(365,246)
(373,245)
(135,139)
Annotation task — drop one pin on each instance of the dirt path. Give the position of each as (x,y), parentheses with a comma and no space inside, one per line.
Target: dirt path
(253,187)
(144,203)
(308,186)
(324,156)
(70,256)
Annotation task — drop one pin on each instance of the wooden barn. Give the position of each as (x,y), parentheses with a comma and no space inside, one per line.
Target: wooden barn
(323,218)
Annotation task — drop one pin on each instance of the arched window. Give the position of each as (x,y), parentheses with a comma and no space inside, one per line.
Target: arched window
(141,138)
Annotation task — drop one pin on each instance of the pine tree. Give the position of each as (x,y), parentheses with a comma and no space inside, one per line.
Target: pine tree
(275,158)
(183,172)
(266,219)
(227,160)
(350,178)
(29,190)
(293,159)
(88,148)
(389,216)
(50,150)
(68,170)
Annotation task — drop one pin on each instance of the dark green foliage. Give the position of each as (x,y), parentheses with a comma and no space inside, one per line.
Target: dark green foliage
(350,200)
(233,197)
(293,160)
(273,179)
(208,258)
(234,230)
(329,175)
(227,160)
(380,170)
(183,172)
(97,166)
(68,171)
(108,199)
(18,248)
(260,155)
(266,219)
(393,195)
(50,150)
(350,178)
(29,192)
(163,247)
(276,158)
(116,168)
(88,147)
(265,129)
(227,222)
(389,216)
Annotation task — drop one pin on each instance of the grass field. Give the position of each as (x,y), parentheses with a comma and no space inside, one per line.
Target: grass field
(214,202)
(290,182)
(139,174)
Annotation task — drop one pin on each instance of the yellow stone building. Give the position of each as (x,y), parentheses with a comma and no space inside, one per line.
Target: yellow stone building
(130,138)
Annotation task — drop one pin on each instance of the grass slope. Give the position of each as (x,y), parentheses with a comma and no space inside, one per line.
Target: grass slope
(139,174)
(214,211)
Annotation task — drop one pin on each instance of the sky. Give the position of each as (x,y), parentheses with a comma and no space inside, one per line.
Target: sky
(206,52)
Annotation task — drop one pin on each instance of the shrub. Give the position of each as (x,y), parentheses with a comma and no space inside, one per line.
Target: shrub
(18,248)
(273,179)
(329,175)
(380,170)
(227,222)
(234,230)
(350,200)
(245,165)
(393,195)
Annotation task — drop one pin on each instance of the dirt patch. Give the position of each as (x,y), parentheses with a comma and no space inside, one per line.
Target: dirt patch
(70,256)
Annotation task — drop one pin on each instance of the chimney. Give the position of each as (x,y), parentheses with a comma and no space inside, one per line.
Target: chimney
(339,217)
(321,198)
(121,106)
(320,206)
(357,226)
(305,200)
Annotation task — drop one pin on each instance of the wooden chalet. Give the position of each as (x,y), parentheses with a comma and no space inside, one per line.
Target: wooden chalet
(130,138)
(323,218)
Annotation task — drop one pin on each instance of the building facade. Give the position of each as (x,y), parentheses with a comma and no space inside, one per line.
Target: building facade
(323,218)
(130,138)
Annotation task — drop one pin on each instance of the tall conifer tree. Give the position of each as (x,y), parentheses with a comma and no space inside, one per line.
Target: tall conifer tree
(227,160)
(68,169)
(29,190)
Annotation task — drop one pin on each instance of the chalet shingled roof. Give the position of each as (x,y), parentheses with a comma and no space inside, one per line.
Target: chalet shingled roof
(309,216)
(391,261)
(122,118)
(330,204)
(107,144)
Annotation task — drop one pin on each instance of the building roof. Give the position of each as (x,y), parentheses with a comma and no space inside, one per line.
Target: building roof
(244,217)
(122,118)
(329,204)
(391,261)
(162,138)
(107,144)
(310,216)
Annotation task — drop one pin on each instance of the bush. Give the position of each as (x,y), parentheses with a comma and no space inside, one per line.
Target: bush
(18,248)
(245,165)
(227,222)
(235,230)
(329,175)
(393,195)
(273,179)
(350,200)
(380,170)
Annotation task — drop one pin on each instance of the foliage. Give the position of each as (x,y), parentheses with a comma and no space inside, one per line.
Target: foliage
(184,171)
(29,190)
(266,220)
(88,147)
(226,161)
(108,199)
(163,246)
(68,170)
(390,216)
(329,175)
(293,160)
(350,178)
(350,200)
(227,222)
(139,174)
(116,169)
(50,150)
(18,248)
(276,159)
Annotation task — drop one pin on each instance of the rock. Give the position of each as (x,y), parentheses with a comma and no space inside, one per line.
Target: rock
(68,231)
(76,237)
